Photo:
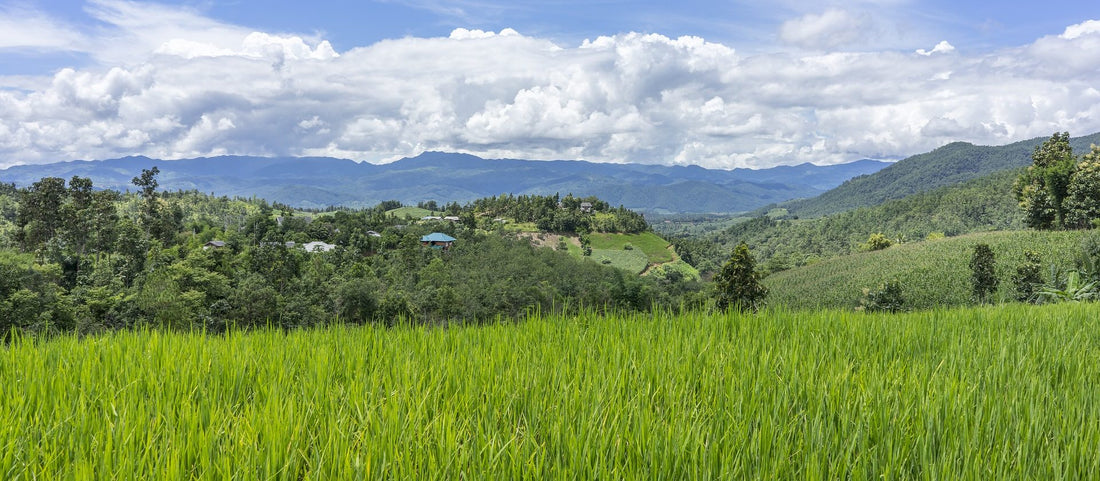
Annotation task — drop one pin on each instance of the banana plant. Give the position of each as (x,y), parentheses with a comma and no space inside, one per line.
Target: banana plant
(1071,286)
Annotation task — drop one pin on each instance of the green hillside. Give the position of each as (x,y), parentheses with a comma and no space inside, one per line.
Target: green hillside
(932,273)
(984,204)
(951,164)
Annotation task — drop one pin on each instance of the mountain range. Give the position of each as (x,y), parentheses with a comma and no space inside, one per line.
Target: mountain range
(316,182)
(951,164)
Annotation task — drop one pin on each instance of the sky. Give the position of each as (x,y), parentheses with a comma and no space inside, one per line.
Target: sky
(719,84)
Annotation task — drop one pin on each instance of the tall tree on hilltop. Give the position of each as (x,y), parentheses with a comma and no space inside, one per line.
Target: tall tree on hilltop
(738,283)
(1083,201)
(1043,189)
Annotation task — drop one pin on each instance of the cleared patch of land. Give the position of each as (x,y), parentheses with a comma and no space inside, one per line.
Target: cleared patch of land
(411,212)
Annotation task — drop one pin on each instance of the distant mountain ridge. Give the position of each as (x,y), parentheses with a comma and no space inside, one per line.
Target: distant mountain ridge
(951,164)
(314,182)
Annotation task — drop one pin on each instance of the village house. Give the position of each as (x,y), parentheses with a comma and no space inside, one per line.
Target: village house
(318,246)
(214,244)
(437,240)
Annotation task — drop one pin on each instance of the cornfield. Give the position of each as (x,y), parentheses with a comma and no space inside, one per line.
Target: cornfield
(1010,392)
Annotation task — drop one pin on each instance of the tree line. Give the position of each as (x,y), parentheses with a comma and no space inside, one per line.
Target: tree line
(1059,190)
(77,259)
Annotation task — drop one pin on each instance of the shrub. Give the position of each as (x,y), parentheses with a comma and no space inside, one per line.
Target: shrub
(876,242)
(983,273)
(887,298)
(1028,277)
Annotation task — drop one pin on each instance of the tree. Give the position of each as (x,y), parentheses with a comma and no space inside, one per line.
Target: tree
(738,283)
(1028,277)
(983,277)
(1082,203)
(887,298)
(37,219)
(876,242)
(1042,190)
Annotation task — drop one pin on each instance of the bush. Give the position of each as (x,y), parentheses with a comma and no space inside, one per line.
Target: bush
(887,298)
(876,242)
(1028,277)
(983,273)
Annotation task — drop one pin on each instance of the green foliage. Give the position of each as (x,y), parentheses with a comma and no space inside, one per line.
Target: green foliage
(1082,203)
(99,260)
(560,214)
(886,298)
(934,274)
(642,396)
(1043,189)
(1068,286)
(1028,277)
(738,285)
(876,242)
(983,273)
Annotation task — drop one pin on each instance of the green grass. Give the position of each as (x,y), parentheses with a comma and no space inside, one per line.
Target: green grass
(654,247)
(1001,393)
(932,273)
(634,261)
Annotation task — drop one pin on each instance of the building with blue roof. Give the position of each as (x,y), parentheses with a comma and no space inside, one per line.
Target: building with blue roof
(437,240)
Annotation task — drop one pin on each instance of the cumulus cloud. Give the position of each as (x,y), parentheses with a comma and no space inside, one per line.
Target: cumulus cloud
(208,88)
(1091,27)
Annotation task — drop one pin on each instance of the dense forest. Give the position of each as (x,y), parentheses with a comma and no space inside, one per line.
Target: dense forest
(78,259)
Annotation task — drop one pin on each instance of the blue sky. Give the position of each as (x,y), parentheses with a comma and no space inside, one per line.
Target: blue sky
(719,84)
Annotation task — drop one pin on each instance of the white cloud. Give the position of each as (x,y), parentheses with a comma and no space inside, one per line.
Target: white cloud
(1090,27)
(942,47)
(25,28)
(170,83)
(830,29)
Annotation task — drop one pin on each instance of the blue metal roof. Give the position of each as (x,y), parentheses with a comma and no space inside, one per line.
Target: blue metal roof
(437,237)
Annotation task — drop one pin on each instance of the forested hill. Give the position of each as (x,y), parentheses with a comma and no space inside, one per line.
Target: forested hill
(318,182)
(951,164)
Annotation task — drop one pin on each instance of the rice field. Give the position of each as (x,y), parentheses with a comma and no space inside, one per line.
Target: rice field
(1008,392)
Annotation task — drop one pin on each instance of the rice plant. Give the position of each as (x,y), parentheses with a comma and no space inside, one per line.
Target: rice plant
(1007,392)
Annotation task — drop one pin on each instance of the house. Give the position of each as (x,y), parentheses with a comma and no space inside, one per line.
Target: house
(431,217)
(437,240)
(214,244)
(452,218)
(373,234)
(586,207)
(318,246)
